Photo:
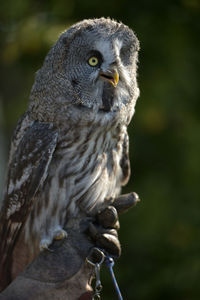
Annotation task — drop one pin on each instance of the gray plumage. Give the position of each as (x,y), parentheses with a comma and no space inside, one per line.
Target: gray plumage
(69,152)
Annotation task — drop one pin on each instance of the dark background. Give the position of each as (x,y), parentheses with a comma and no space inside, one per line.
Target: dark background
(161,236)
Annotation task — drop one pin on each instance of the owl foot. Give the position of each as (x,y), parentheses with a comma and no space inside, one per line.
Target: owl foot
(60,234)
(44,245)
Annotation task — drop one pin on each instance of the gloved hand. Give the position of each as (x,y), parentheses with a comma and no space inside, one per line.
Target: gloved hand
(63,272)
(106,224)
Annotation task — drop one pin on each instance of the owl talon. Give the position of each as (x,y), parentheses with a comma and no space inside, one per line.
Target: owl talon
(60,234)
(44,245)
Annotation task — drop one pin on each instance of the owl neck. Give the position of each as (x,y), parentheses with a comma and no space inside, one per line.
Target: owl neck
(67,116)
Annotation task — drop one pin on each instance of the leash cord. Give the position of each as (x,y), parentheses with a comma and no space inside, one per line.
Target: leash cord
(109,261)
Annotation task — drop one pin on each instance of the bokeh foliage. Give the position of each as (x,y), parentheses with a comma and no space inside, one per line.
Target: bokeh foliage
(160,238)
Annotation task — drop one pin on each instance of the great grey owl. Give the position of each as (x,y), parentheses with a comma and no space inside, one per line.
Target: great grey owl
(69,152)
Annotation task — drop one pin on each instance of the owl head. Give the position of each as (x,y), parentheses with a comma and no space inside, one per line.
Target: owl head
(92,65)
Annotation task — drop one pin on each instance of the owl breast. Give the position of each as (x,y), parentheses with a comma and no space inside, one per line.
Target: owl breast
(84,172)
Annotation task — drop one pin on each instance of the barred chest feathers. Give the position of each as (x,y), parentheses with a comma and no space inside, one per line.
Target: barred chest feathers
(85,170)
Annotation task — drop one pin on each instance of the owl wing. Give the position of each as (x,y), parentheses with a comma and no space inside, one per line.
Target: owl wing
(28,168)
(125,162)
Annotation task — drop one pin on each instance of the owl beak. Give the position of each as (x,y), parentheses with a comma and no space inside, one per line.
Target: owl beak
(112,76)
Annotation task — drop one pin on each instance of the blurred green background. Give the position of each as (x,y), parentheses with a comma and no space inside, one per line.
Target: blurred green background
(161,236)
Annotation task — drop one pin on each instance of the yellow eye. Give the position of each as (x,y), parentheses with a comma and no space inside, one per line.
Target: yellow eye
(93,61)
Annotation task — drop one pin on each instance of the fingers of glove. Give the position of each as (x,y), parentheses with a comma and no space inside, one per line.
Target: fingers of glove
(106,239)
(124,202)
(110,243)
(96,230)
(108,218)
